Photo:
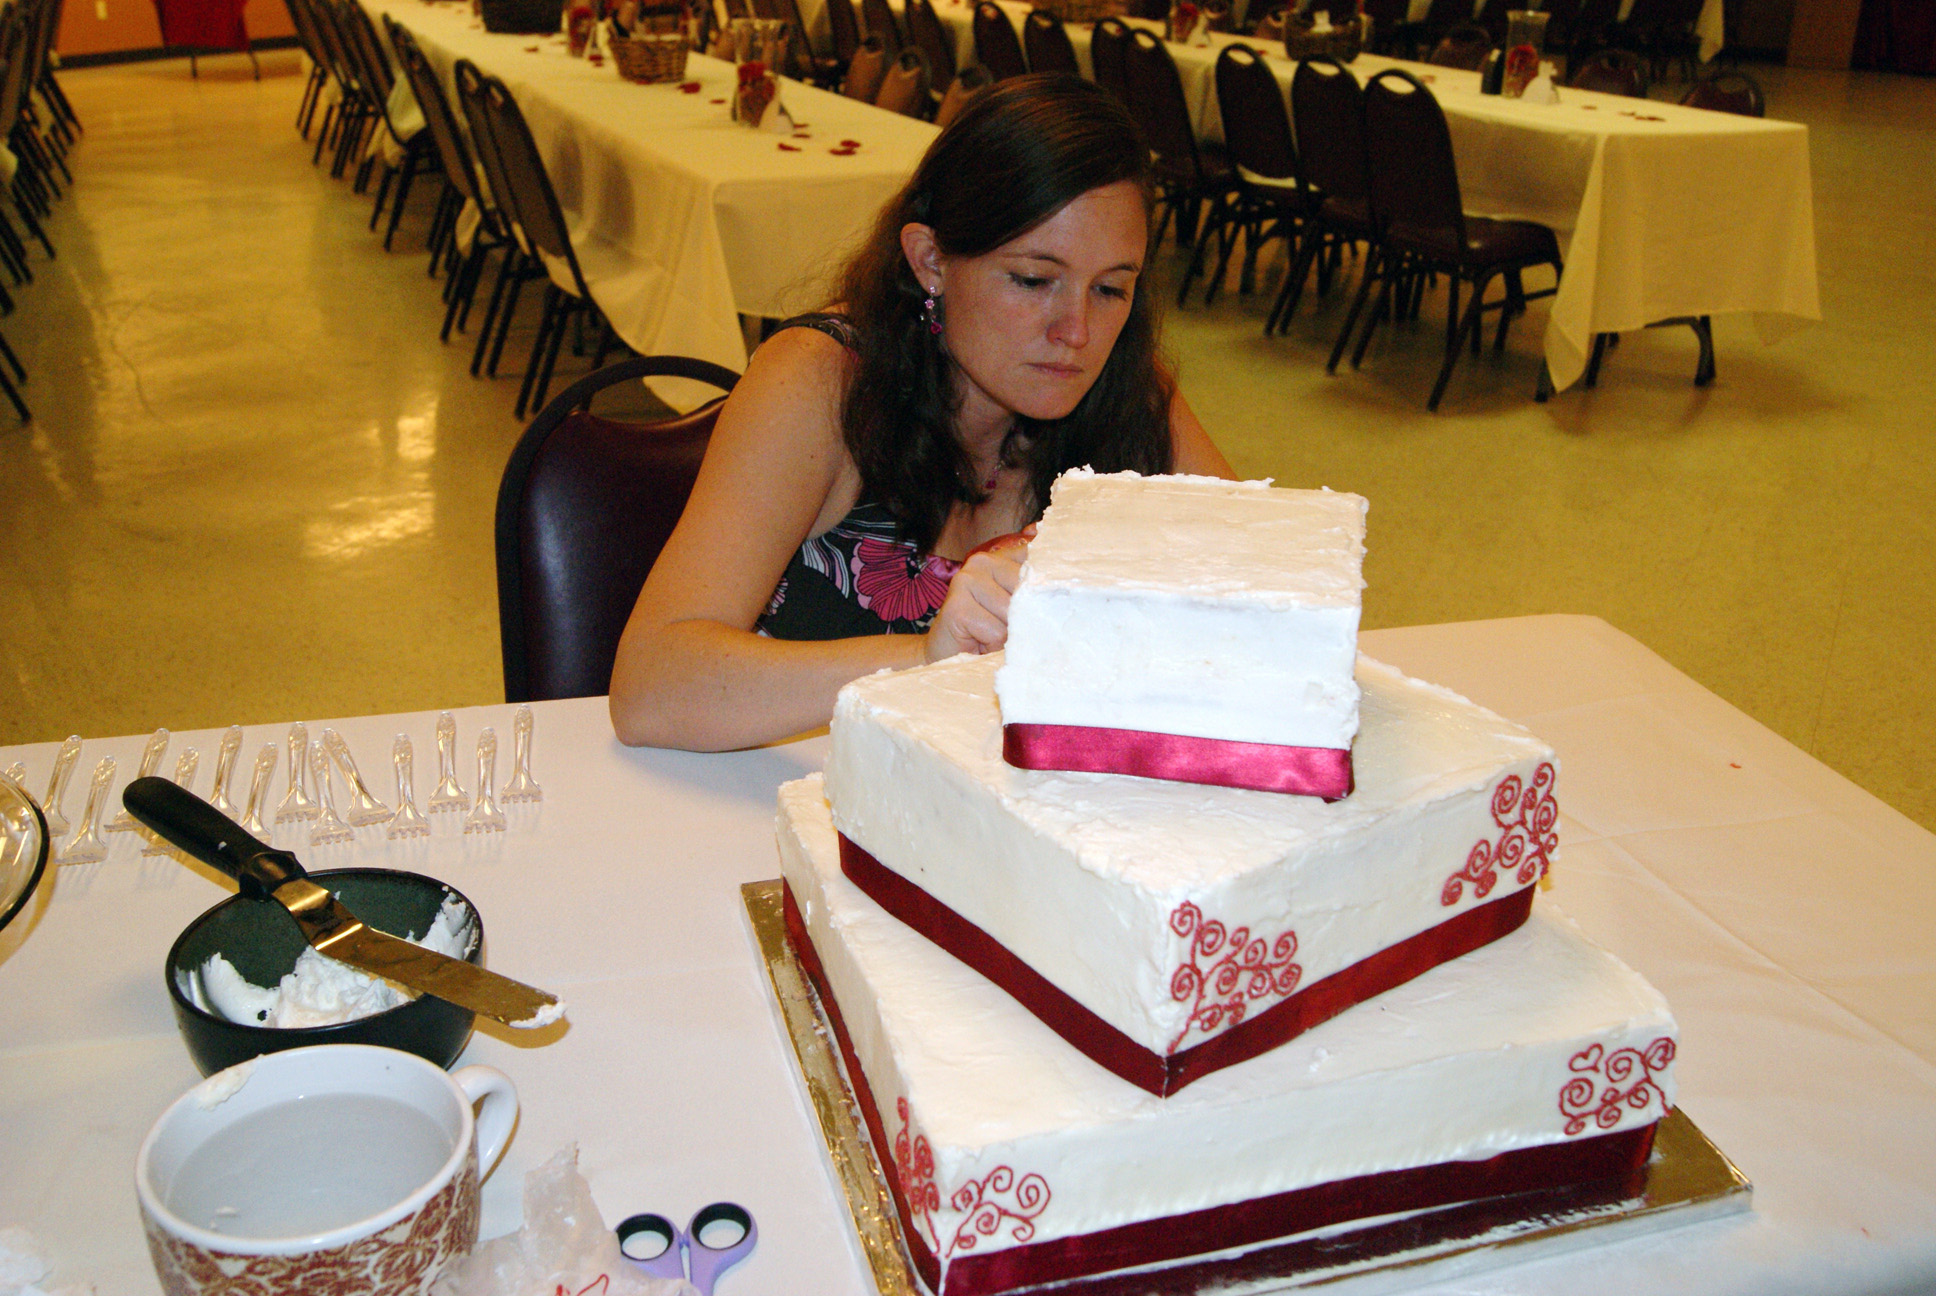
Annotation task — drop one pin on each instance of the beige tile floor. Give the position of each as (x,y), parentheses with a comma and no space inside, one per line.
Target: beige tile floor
(257,488)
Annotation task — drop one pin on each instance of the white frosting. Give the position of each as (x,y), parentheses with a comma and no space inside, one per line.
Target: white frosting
(1190,605)
(321,991)
(1081,875)
(1465,1062)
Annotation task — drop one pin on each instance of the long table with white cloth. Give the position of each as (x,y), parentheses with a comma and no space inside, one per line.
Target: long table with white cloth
(1784,912)
(681,218)
(1662,211)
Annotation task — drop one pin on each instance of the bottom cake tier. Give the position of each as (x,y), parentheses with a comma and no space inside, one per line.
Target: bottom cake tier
(1537,1064)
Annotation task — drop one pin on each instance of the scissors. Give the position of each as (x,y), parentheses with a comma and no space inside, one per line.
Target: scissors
(654,1245)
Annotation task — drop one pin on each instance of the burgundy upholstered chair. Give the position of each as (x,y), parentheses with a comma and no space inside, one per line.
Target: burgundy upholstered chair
(585,505)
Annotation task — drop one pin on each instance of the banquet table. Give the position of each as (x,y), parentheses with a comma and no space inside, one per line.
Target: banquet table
(1662,211)
(682,219)
(1784,913)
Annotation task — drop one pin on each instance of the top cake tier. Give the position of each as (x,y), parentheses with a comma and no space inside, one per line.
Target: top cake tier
(1185,607)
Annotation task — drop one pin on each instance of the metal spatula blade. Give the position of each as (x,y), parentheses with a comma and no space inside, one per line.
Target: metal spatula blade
(187,821)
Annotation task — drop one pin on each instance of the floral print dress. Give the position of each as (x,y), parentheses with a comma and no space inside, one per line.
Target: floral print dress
(857,578)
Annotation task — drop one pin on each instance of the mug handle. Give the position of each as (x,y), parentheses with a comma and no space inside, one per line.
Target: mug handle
(494,1121)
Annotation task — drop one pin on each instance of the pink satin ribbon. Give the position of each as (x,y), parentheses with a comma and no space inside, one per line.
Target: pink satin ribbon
(1262,767)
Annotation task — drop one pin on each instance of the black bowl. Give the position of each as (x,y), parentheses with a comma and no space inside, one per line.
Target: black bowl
(262,941)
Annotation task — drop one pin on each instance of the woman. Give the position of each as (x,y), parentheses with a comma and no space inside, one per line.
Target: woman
(991,335)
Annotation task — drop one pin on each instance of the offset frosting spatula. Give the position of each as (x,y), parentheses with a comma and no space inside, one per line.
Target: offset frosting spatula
(187,821)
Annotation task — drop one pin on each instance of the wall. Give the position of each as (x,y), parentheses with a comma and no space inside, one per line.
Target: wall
(109,26)
(1823,34)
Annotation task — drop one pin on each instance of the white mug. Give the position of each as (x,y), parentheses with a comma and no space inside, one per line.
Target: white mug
(339,1168)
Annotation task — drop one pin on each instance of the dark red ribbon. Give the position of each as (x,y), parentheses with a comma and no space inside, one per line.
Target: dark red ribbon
(1144,1067)
(1501,1189)
(1261,767)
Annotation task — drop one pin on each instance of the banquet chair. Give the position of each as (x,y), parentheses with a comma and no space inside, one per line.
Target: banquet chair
(533,204)
(1188,175)
(844,28)
(1046,42)
(1612,71)
(1465,46)
(45,81)
(805,62)
(305,24)
(1729,92)
(11,361)
(866,71)
(521,262)
(1327,109)
(1590,29)
(32,187)
(879,21)
(355,108)
(1272,200)
(584,507)
(904,89)
(1441,16)
(969,84)
(1663,32)
(1109,56)
(927,34)
(418,150)
(466,265)
(1422,226)
(996,46)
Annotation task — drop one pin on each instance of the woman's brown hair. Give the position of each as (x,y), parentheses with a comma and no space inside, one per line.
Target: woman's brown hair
(1018,155)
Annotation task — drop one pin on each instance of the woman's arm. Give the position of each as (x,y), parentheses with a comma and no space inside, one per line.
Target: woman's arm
(1191,448)
(690,671)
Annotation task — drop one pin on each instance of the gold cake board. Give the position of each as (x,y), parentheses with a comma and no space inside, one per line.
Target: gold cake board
(1688,1180)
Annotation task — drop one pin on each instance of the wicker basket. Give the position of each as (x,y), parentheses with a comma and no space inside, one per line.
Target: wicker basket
(1078,11)
(1341,43)
(650,58)
(525,17)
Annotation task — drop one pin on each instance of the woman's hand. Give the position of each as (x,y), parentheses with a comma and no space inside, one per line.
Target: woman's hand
(974,617)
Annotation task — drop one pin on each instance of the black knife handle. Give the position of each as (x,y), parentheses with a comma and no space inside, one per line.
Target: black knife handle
(183,819)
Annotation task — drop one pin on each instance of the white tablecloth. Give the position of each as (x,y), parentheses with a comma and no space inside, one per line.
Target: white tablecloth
(1662,211)
(1785,914)
(682,219)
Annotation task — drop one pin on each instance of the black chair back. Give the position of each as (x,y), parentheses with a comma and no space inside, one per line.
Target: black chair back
(1046,41)
(996,47)
(1730,92)
(1156,102)
(1408,153)
(1613,71)
(452,151)
(866,70)
(844,27)
(584,507)
(1328,110)
(378,78)
(1465,46)
(879,21)
(1256,125)
(928,35)
(470,96)
(1109,56)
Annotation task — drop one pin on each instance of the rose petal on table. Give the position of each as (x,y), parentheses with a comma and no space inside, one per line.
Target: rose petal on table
(530,49)
(841,152)
(689,87)
(719,101)
(790,148)
(850,144)
(800,126)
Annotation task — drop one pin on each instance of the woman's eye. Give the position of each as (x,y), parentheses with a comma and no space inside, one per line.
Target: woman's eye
(1118,292)
(1026,280)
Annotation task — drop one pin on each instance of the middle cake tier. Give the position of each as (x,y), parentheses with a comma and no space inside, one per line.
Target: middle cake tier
(1166,929)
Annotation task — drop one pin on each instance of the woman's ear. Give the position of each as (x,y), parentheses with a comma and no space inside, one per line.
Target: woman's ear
(923,253)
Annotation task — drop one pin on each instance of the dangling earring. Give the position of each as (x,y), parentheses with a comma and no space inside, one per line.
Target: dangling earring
(931,311)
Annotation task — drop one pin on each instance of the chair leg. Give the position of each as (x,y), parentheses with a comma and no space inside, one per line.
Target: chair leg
(505,273)
(382,194)
(550,322)
(1703,327)
(410,165)
(509,311)
(13,361)
(1391,284)
(568,307)
(1455,344)
(1373,264)
(1591,378)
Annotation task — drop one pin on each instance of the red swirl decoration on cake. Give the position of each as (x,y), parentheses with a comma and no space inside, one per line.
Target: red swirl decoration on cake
(1250,969)
(1003,1200)
(1606,1083)
(1526,816)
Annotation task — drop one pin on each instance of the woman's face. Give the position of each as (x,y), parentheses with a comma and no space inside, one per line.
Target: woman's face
(1031,323)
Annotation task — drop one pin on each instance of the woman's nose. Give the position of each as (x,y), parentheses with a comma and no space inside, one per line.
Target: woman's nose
(1070,327)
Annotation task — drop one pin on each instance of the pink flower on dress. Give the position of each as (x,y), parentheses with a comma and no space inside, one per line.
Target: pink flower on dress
(896,584)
